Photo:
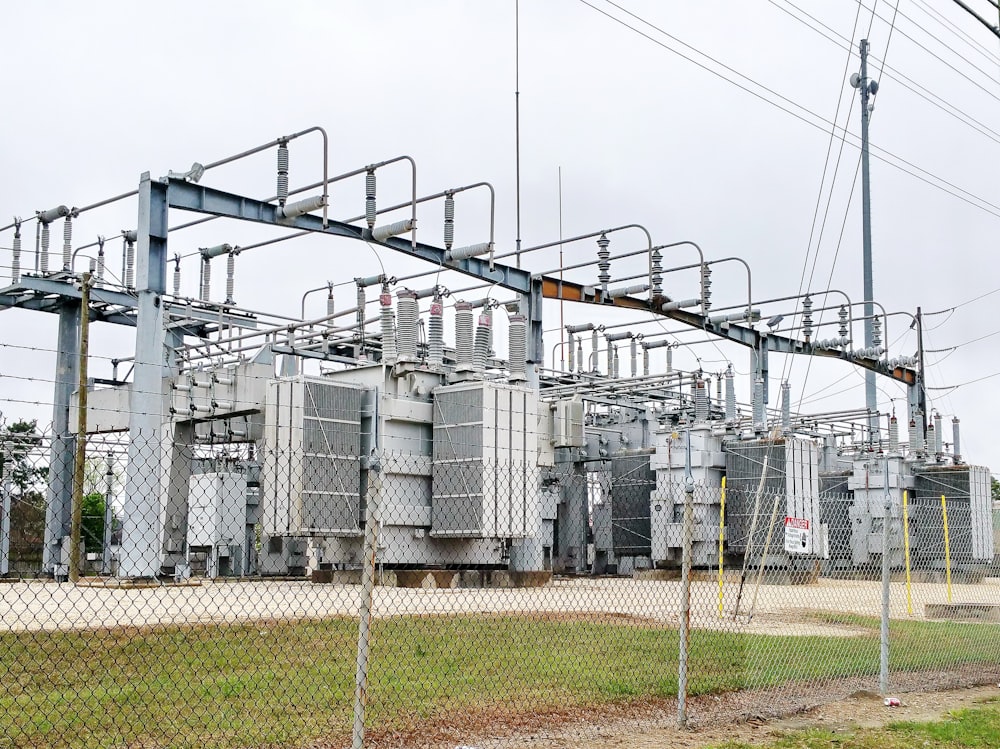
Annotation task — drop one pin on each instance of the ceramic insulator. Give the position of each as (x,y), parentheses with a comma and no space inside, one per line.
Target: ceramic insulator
(388,327)
(449,222)
(282,173)
(44,258)
(482,343)
(67,257)
(435,335)
(463,336)
(15,263)
(518,342)
(230,277)
(407,316)
(370,211)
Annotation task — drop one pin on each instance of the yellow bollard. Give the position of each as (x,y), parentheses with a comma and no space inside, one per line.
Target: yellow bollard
(947,548)
(722,526)
(906,551)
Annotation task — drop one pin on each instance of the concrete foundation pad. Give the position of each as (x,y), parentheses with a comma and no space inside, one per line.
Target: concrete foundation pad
(130,583)
(438,579)
(335,577)
(965,612)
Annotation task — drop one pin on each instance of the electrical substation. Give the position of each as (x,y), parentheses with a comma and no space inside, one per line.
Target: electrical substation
(256,445)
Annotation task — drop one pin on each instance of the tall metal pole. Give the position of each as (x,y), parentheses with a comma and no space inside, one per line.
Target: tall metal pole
(871,399)
(517,123)
(921,389)
(81,434)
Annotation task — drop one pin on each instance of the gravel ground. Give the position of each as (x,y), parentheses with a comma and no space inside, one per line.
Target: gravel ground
(750,715)
(776,608)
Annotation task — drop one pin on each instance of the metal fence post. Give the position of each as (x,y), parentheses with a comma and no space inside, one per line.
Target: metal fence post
(365,608)
(685,623)
(883,681)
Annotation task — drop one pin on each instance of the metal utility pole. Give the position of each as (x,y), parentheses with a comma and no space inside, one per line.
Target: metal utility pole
(81,433)
(868,89)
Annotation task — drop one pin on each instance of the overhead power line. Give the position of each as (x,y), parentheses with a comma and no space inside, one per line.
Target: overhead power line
(994,29)
(804,114)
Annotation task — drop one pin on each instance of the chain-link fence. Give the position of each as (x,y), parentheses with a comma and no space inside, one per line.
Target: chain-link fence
(427,572)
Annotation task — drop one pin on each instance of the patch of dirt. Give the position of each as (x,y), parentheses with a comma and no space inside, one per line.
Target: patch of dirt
(751,716)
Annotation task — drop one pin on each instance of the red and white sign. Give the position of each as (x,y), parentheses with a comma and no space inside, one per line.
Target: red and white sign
(797,539)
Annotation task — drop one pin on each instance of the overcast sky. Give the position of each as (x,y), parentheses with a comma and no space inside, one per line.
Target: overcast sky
(96,93)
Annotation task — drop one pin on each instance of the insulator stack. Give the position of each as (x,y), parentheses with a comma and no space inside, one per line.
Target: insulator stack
(482,343)
(282,173)
(842,315)
(388,327)
(407,317)
(463,337)
(700,400)
(708,391)
(129,263)
(915,438)
(359,314)
(893,434)
(877,332)
(932,438)
(67,257)
(807,318)
(571,352)
(177,275)
(938,435)
(44,258)
(449,221)
(594,352)
(670,359)
(656,274)
(617,374)
(604,262)
(435,335)
(718,389)
(517,334)
(488,314)
(15,263)
(99,272)
(730,395)
(611,360)
(370,211)
(206,279)
(786,408)
(92,266)
(230,277)
(759,413)
(956,441)
(706,286)
(633,347)
(579,353)
(645,361)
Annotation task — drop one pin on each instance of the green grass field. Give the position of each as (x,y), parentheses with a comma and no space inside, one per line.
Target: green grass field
(286,683)
(962,729)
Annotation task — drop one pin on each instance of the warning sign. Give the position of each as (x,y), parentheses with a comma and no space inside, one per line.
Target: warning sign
(797,536)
